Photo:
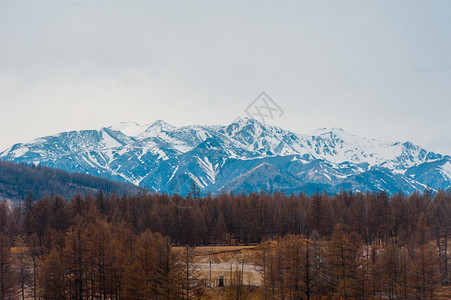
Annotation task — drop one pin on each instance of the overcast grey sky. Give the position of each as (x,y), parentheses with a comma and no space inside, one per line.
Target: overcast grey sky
(380,69)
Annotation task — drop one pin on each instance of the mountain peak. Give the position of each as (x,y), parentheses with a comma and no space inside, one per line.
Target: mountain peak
(248,124)
(156,128)
(129,128)
(246,121)
(162,124)
(245,130)
(327,131)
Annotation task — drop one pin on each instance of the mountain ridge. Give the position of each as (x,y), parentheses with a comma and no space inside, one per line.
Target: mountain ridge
(165,158)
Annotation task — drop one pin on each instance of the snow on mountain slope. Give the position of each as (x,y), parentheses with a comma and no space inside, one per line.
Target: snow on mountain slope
(264,140)
(263,178)
(446,170)
(165,158)
(18,152)
(338,146)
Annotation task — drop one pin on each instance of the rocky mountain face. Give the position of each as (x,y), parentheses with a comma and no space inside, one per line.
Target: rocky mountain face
(245,156)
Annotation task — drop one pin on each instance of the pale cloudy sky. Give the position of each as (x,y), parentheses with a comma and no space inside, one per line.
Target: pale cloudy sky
(380,69)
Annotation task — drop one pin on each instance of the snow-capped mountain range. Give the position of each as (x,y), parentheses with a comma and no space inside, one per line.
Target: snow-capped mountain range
(245,156)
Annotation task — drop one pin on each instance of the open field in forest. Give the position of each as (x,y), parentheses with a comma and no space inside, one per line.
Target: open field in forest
(226,260)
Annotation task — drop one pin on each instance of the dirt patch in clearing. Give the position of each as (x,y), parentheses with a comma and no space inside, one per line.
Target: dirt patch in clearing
(226,260)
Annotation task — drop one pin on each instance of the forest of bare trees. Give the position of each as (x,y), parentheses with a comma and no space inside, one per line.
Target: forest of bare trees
(347,246)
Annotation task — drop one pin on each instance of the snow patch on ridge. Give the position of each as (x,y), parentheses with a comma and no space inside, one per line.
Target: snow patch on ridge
(129,128)
(446,169)
(157,128)
(20,152)
(208,168)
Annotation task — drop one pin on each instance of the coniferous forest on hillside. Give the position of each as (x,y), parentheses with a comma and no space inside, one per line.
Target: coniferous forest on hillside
(16,180)
(347,246)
